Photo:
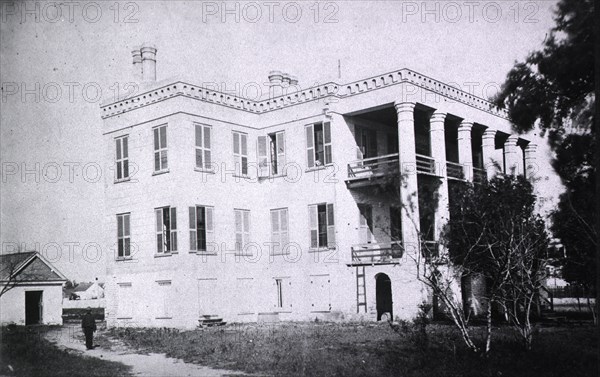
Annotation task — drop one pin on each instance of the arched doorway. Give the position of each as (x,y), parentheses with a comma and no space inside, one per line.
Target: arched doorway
(383,294)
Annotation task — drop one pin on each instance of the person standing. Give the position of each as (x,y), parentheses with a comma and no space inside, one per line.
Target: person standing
(88,324)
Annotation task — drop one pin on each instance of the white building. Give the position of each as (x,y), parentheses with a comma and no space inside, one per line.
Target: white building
(246,210)
(31,290)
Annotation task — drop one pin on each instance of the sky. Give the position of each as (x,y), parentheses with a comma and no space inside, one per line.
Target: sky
(59,61)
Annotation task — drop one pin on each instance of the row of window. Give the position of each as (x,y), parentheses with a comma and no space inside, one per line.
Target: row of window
(202,231)
(271,150)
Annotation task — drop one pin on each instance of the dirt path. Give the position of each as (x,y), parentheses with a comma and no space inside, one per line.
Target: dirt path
(70,336)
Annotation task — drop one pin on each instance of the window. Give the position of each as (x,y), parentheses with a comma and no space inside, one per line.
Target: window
(201,228)
(125,300)
(122,158)
(366,140)
(322,230)
(123,236)
(242,229)
(166,230)
(395,224)
(160,149)
(318,144)
(203,157)
(271,154)
(283,301)
(240,153)
(163,304)
(365,223)
(279,230)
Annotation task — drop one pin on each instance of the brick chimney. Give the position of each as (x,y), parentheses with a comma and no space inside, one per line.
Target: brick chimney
(148,62)
(137,63)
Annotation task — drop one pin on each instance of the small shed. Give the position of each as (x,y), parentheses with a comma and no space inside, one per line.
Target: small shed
(30,290)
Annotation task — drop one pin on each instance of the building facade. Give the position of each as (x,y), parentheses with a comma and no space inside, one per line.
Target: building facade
(247,210)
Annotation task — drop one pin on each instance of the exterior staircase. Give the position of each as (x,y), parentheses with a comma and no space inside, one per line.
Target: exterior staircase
(210,320)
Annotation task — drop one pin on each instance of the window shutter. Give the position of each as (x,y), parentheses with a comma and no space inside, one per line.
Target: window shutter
(263,163)
(310,146)
(210,231)
(159,231)
(314,233)
(238,230)
(244,139)
(280,139)
(284,229)
(173,229)
(327,142)
(207,157)
(275,233)
(330,226)
(246,223)
(193,239)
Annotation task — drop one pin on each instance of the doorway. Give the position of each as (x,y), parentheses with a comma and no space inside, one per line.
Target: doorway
(34,307)
(383,293)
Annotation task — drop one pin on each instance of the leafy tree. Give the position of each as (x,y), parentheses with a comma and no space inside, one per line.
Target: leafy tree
(495,233)
(554,88)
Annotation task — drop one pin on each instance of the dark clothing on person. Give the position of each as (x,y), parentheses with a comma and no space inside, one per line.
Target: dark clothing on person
(88,324)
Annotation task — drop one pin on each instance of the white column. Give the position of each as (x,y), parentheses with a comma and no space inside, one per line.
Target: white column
(488,147)
(465,154)
(438,152)
(512,160)
(408,169)
(530,165)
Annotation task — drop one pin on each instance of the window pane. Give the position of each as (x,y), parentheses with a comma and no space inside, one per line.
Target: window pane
(126,222)
(127,251)
(314,242)
(125,168)
(192,217)
(207,160)
(159,220)
(199,158)
(118,149)
(274,221)
(330,215)
(156,146)
(244,145)
(119,170)
(120,250)
(236,143)
(238,221)
(119,226)
(163,160)
(328,154)
(206,137)
(125,147)
(198,136)
(159,243)
(173,218)
(156,161)
(284,225)
(246,221)
(244,165)
(309,137)
(327,132)
(163,137)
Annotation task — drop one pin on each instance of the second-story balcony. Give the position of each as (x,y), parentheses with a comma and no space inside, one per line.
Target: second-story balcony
(377,253)
(373,170)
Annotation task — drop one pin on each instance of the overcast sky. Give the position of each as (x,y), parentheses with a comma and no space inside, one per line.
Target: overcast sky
(55,72)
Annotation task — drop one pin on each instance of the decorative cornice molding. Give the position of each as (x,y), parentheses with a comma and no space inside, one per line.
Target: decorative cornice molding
(330,89)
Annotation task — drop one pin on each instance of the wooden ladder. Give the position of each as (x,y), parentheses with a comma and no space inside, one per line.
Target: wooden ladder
(361,289)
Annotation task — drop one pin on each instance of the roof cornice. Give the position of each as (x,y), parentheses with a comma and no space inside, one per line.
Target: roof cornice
(330,89)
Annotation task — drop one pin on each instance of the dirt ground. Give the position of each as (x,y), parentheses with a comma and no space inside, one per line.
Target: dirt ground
(71,337)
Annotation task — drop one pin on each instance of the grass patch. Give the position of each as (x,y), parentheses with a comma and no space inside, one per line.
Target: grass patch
(328,349)
(28,353)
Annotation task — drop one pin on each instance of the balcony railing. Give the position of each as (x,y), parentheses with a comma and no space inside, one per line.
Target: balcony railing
(374,167)
(479,175)
(454,170)
(425,164)
(377,253)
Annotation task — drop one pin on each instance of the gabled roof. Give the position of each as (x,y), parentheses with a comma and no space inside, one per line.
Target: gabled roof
(82,287)
(28,266)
